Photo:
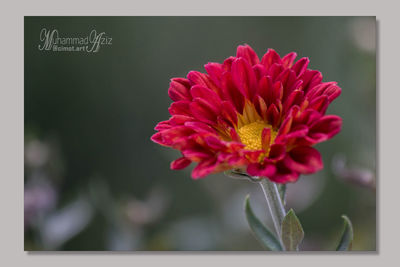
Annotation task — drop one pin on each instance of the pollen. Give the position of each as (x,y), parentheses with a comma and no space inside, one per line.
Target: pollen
(250,134)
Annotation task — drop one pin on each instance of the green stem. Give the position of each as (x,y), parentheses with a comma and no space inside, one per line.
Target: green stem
(275,204)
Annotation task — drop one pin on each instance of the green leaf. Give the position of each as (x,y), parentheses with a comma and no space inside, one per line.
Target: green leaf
(347,235)
(282,192)
(292,232)
(266,238)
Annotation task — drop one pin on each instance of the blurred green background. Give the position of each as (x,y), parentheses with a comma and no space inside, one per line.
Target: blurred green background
(95,181)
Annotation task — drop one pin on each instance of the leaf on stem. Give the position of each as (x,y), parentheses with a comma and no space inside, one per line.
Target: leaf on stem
(266,238)
(292,231)
(347,235)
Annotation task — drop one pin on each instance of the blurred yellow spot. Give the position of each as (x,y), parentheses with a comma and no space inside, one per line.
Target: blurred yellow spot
(250,134)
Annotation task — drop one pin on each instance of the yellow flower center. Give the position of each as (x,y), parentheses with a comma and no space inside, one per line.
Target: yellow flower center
(250,134)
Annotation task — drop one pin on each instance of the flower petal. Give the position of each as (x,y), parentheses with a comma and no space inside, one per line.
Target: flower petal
(265,138)
(295,98)
(204,168)
(273,115)
(179,119)
(329,89)
(285,126)
(200,127)
(244,78)
(320,104)
(259,71)
(196,155)
(171,135)
(283,174)
(231,93)
(261,107)
(206,94)
(179,89)
(277,152)
(301,66)
(215,70)
(325,128)
(215,143)
(270,58)
(198,78)
(228,112)
(157,138)
(203,111)
(310,79)
(263,170)
(246,52)
(304,160)
(180,163)
(180,108)
(163,125)
(288,60)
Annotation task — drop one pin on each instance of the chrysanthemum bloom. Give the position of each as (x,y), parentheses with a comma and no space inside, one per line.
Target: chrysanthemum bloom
(262,117)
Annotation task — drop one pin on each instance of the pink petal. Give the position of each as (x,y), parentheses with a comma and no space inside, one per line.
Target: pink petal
(320,104)
(261,106)
(157,138)
(277,152)
(300,67)
(265,138)
(204,168)
(298,131)
(288,79)
(325,128)
(203,111)
(244,78)
(295,98)
(206,94)
(179,90)
(285,126)
(215,143)
(310,79)
(288,60)
(283,174)
(304,160)
(163,125)
(270,58)
(275,70)
(180,163)
(259,70)
(246,52)
(261,170)
(200,127)
(179,119)
(215,70)
(197,78)
(196,153)
(231,93)
(273,115)
(229,113)
(171,135)
(180,108)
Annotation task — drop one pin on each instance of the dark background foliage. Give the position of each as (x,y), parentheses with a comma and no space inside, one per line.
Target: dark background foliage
(95,181)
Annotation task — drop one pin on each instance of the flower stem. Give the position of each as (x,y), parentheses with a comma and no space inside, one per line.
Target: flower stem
(275,204)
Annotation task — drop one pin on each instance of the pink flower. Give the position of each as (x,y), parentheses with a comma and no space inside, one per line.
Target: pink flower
(260,116)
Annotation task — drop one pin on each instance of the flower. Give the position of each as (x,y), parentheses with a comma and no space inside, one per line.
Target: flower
(259,116)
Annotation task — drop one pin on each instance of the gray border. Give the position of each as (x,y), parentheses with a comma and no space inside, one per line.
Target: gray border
(12,107)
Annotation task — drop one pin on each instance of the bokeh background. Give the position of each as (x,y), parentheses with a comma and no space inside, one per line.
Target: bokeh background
(95,181)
